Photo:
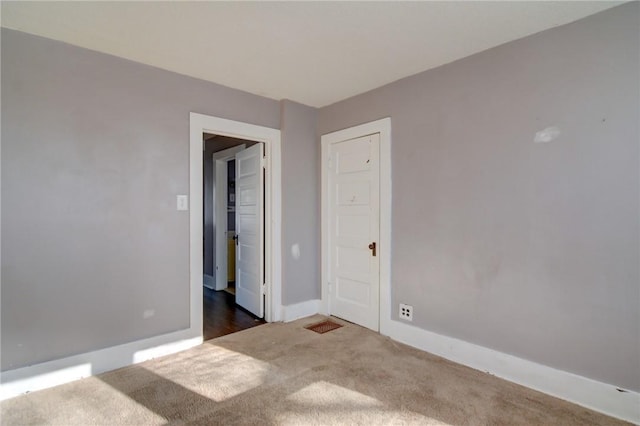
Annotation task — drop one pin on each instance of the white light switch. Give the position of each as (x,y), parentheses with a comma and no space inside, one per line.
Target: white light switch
(182,202)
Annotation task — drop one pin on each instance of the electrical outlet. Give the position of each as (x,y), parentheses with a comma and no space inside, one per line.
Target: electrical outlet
(406,312)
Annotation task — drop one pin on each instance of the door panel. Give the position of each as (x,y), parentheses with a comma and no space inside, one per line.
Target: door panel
(250,229)
(354,224)
(352,291)
(354,194)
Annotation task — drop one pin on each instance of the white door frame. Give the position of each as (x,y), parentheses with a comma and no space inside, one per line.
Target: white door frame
(199,124)
(383,127)
(220,207)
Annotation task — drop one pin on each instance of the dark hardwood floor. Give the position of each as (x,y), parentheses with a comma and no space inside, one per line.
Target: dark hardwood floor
(222,316)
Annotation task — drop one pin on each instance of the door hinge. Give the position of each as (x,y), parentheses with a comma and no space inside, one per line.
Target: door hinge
(263,288)
(263,162)
(330,163)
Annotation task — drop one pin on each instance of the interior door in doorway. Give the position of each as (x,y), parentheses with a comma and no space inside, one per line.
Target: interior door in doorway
(354,226)
(250,229)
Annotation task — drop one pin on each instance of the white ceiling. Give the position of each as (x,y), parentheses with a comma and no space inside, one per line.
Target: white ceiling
(316,53)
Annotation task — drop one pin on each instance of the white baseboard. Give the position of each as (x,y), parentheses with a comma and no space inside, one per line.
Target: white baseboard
(580,390)
(208,281)
(300,310)
(57,372)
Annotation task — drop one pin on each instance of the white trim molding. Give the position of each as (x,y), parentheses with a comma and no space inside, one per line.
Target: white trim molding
(383,128)
(598,396)
(65,370)
(300,310)
(271,138)
(209,281)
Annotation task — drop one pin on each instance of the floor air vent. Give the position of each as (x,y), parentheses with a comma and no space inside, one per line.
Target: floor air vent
(323,327)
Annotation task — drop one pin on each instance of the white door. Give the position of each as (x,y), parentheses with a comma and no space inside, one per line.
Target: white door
(354,226)
(250,229)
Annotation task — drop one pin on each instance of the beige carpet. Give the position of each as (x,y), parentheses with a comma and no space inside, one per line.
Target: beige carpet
(283,374)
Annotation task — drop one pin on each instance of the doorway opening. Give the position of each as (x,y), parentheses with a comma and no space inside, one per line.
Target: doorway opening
(258,280)
(223,311)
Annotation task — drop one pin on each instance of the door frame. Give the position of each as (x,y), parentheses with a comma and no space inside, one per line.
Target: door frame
(382,127)
(199,124)
(220,208)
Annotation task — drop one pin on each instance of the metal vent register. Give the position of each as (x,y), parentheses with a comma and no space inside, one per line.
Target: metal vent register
(323,327)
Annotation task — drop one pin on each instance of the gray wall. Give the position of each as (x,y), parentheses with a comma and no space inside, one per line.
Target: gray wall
(529,249)
(300,192)
(94,151)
